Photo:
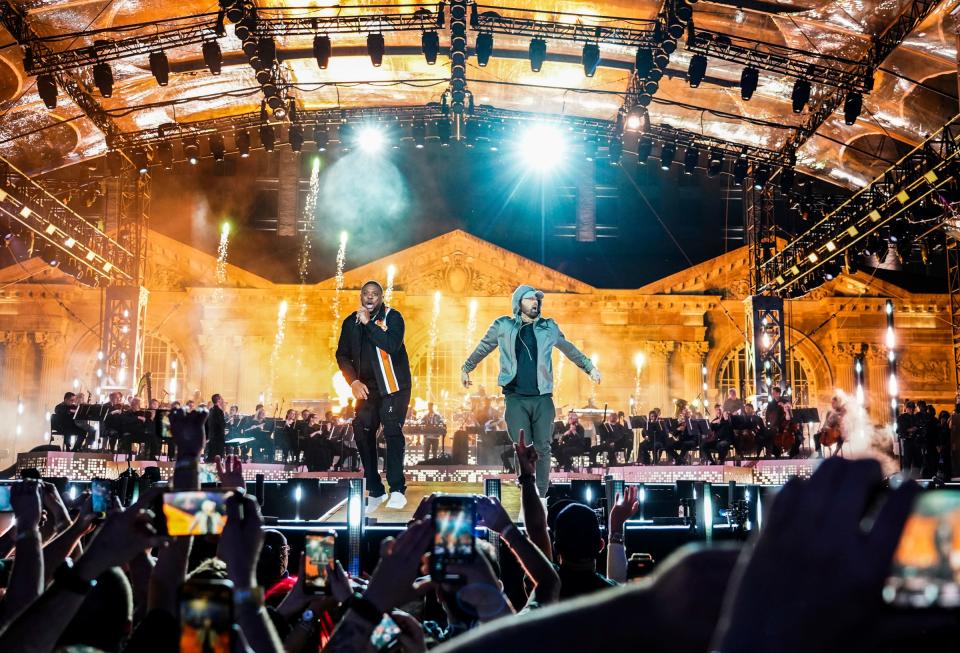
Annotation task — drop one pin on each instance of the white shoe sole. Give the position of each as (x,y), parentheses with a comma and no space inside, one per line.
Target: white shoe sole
(373,503)
(397,505)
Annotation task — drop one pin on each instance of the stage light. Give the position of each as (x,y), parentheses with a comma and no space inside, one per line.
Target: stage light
(419,130)
(371,139)
(90,255)
(295,138)
(644,148)
(430,45)
(267,51)
(667,152)
(191,151)
(661,59)
(160,67)
(761,175)
(103,78)
(538,54)
(213,57)
(542,146)
(690,160)
(69,242)
(267,137)
(684,10)
(634,121)
(375,49)
(443,132)
(249,47)
(54,263)
(651,86)
(748,82)
(615,150)
(590,58)
(321,137)
(141,161)
(322,49)
(242,140)
(697,70)
(590,149)
(47,89)
(852,106)
(715,164)
(643,62)
(740,171)
(800,95)
(51,229)
(217,148)
(484,48)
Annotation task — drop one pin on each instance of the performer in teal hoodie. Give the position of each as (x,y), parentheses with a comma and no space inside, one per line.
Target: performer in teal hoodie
(526,371)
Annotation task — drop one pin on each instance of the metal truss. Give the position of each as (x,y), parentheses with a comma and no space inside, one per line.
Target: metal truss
(491,19)
(28,203)
(825,70)
(684,138)
(121,341)
(766,345)
(45,60)
(893,196)
(953,279)
(761,230)
(828,100)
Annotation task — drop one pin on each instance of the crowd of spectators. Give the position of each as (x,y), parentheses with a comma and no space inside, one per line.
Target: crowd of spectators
(810,581)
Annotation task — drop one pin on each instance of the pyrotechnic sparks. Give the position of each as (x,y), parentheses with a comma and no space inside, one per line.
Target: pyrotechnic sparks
(434,336)
(391,275)
(222,260)
(277,344)
(471,325)
(309,218)
(341,258)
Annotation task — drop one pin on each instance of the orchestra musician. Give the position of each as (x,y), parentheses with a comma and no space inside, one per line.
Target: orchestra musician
(654,438)
(720,439)
(684,439)
(112,423)
(832,431)
(779,413)
(153,427)
(572,443)
(289,439)
(754,426)
(257,429)
(216,426)
(432,423)
(613,437)
(62,421)
(234,420)
(318,452)
(732,404)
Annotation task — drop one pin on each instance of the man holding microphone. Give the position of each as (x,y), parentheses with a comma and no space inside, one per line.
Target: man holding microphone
(526,341)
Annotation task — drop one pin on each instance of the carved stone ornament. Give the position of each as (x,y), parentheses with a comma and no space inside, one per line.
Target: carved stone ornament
(922,371)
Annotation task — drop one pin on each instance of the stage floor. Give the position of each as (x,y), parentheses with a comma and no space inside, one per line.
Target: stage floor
(417,490)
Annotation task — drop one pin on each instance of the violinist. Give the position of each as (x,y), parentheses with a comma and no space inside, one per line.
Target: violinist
(112,423)
(62,421)
(684,439)
(782,432)
(572,442)
(318,451)
(720,439)
(654,438)
(289,438)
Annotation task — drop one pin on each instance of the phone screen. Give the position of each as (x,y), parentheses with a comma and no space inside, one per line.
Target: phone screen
(193,512)
(925,572)
(454,520)
(385,635)
(318,550)
(206,617)
(101,495)
(5,505)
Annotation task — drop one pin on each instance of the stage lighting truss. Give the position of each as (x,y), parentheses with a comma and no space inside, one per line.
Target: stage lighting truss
(24,201)
(169,33)
(892,201)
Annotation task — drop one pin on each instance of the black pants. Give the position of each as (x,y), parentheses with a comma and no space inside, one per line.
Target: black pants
(431,446)
(84,437)
(215,447)
(720,447)
(389,412)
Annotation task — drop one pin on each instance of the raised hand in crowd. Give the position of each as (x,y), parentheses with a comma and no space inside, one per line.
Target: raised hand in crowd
(534,514)
(623,509)
(188,433)
(230,471)
(26,578)
(57,515)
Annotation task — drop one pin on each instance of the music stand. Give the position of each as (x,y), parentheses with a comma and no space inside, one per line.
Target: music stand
(638,421)
(92,412)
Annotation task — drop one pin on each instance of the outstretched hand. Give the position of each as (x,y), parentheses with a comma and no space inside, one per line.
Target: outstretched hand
(392,581)
(25,501)
(818,526)
(623,509)
(595,375)
(526,455)
(230,471)
(188,432)
(242,539)
(465,379)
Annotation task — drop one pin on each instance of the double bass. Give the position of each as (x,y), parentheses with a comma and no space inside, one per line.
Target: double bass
(784,432)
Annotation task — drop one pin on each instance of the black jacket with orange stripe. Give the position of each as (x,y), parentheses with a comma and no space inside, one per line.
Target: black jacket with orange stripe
(383,342)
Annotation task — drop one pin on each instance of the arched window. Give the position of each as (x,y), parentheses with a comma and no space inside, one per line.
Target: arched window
(444,374)
(165,365)
(733,374)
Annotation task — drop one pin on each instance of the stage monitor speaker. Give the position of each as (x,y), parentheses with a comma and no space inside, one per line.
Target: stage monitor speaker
(461,445)
(45,447)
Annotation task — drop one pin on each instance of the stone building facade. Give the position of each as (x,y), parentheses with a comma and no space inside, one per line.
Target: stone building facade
(204,337)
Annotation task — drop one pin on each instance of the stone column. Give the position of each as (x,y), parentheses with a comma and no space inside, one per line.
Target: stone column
(14,361)
(842,358)
(875,382)
(655,380)
(688,376)
(52,379)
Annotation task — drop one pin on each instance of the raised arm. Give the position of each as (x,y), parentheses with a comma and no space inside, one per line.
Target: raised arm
(570,350)
(487,344)
(391,340)
(26,579)
(535,518)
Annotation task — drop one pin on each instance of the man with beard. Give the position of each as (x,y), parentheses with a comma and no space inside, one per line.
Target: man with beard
(373,359)
(526,340)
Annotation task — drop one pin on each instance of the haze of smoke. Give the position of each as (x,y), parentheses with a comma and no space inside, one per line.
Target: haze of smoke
(863,439)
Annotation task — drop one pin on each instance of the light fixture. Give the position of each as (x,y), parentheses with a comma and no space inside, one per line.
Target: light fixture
(740,171)
(430,45)
(103,78)
(322,49)
(538,54)
(443,132)
(50,230)
(761,175)
(542,145)
(697,70)
(47,89)
(800,95)
(644,148)
(165,155)
(748,82)
(371,139)
(267,51)
(69,242)
(644,62)
(484,48)
(212,57)
(634,120)
(141,161)
(191,150)
(667,152)
(321,137)
(242,140)
(690,159)
(852,106)
(419,134)
(375,49)
(217,148)
(590,58)
(160,67)
(295,137)
(267,137)
(715,164)
(90,255)
(615,150)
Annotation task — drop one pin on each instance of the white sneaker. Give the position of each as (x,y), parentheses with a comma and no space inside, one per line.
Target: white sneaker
(397,501)
(374,502)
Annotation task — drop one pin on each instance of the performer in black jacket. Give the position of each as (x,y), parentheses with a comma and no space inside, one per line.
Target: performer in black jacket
(216,428)
(62,422)
(373,359)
